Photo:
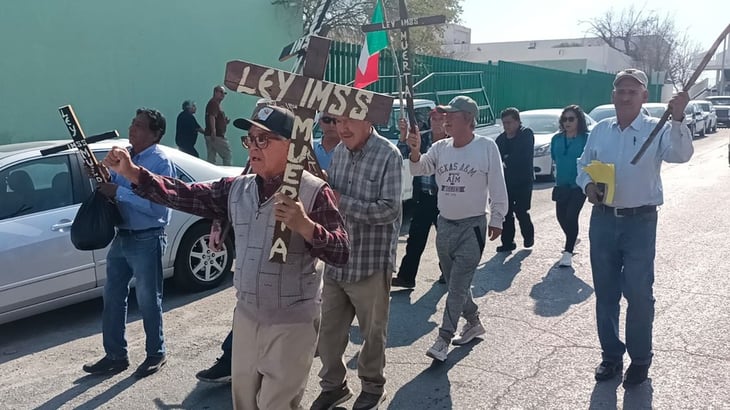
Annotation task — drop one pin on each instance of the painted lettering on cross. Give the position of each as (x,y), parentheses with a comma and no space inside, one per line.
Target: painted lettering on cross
(304,92)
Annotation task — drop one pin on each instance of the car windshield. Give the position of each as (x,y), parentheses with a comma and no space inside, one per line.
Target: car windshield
(720,100)
(599,114)
(540,123)
(656,111)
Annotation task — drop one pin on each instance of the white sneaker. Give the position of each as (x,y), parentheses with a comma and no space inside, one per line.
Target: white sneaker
(469,332)
(566,260)
(439,350)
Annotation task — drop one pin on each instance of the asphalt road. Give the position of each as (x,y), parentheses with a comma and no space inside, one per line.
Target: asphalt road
(539,351)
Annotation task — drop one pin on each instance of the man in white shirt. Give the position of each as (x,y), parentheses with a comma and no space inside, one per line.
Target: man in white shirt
(470,180)
(623,235)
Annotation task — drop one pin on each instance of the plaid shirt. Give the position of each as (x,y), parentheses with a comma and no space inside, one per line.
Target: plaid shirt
(369,183)
(210,200)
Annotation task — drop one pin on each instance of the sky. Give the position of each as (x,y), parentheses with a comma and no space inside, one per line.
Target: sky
(521,20)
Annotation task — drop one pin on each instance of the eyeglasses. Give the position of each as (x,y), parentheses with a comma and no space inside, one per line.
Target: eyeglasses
(260,141)
(568,119)
(328,120)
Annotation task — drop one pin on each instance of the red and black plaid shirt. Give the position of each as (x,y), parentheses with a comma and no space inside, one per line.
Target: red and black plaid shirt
(210,200)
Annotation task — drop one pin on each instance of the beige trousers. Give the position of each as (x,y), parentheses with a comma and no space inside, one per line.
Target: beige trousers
(220,146)
(270,363)
(369,300)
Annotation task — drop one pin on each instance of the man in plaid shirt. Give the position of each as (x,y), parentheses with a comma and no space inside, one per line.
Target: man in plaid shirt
(366,173)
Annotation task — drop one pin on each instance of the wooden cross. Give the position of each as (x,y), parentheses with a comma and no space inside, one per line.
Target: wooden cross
(309,94)
(81,142)
(403,24)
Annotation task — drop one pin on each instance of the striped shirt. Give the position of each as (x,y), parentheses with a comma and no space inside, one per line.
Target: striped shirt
(369,184)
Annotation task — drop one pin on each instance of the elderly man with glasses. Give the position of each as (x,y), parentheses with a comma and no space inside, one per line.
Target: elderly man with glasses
(274,336)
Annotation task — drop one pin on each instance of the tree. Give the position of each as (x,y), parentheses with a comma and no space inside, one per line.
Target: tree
(652,40)
(346,16)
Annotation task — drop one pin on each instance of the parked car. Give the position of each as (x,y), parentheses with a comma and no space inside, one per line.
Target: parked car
(544,124)
(708,114)
(604,111)
(655,109)
(39,197)
(694,119)
(722,109)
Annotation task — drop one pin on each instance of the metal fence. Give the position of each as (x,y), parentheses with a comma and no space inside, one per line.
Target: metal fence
(507,84)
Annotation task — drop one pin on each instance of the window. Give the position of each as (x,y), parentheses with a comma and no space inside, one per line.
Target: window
(35,186)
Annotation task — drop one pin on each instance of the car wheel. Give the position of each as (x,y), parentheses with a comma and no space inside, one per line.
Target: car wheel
(197,267)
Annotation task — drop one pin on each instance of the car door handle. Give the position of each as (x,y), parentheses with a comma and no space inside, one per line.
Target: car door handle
(61,225)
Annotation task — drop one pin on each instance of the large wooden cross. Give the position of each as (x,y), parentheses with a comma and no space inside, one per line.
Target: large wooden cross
(403,24)
(309,94)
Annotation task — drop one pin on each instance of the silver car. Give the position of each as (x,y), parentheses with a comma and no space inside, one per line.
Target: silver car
(39,197)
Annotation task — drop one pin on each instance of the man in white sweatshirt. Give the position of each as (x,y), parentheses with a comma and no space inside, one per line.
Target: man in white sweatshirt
(470,181)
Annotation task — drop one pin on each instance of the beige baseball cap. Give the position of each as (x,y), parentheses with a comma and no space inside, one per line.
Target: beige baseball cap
(634,73)
(460,103)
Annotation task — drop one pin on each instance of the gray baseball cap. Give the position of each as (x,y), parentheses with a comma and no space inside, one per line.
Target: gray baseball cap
(460,103)
(634,73)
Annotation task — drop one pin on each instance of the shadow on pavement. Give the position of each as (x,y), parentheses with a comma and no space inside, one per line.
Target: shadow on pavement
(60,326)
(431,388)
(639,397)
(85,383)
(604,396)
(410,321)
(203,396)
(498,273)
(558,290)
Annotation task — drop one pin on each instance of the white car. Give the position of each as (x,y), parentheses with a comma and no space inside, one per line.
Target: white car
(545,124)
(39,197)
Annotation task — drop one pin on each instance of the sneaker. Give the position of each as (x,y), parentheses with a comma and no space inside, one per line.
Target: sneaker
(507,248)
(400,283)
(220,372)
(439,350)
(635,375)
(107,366)
(328,400)
(529,243)
(442,279)
(566,260)
(608,370)
(369,401)
(151,365)
(469,332)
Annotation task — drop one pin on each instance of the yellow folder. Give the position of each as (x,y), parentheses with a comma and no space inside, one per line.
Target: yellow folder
(604,176)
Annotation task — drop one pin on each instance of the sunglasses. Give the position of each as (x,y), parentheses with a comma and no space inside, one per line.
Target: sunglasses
(328,120)
(568,119)
(260,141)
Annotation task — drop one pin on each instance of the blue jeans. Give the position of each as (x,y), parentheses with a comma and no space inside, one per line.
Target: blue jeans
(138,255)
(622,260)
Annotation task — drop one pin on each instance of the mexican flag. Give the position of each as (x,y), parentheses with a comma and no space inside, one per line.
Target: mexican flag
(367,67)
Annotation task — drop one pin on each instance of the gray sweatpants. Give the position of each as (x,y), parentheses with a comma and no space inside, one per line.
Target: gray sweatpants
(459,244)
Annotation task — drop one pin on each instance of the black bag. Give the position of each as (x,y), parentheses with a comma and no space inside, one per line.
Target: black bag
(93,227)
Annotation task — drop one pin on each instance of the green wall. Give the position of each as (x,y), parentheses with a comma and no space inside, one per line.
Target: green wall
(107,58)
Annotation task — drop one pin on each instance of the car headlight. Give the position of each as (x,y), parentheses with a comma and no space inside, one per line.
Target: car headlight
(542,150)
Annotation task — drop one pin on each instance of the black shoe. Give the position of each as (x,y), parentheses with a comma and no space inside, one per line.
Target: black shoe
(442,279)
(107,366)
(151,365)
(327,400)
(507,248)
(369,401)
(400,283)
(608,370)
(635,375)
(220,372)
(529,243)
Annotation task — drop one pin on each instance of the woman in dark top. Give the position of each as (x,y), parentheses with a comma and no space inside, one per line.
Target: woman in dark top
(566,147)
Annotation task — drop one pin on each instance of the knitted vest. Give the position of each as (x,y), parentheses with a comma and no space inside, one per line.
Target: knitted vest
(273,293)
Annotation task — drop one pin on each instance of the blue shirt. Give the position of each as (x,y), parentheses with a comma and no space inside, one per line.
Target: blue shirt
(565,152)
(640,184)
(323,157)
(138,213)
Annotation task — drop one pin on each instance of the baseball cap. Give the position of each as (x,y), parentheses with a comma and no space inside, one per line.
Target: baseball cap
(270,118)
(634,73)
(460,103)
